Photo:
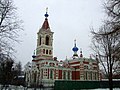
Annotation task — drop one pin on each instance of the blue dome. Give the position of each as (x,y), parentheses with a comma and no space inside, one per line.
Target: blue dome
(46,15)
(33,56)
(75,49)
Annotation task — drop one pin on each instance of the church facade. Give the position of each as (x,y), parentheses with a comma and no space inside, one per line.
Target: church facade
(45,68)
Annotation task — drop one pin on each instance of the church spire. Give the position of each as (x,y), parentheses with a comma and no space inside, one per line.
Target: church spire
(46,24)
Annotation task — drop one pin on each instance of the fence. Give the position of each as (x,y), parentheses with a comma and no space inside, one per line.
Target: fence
(77,85)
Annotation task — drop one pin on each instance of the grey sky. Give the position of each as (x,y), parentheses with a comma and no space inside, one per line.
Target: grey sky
(68,19)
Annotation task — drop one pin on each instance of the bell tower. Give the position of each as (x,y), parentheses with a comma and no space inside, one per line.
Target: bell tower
(44,50)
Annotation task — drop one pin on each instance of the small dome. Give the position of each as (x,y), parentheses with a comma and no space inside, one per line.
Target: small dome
(46,15)
(75,49)
(33,56)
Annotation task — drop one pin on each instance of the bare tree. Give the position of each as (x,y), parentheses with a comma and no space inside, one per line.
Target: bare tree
(106,41)
(112,8)
(106,47)
(9,26)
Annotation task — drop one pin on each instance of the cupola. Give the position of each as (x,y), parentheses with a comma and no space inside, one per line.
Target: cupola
(75,49)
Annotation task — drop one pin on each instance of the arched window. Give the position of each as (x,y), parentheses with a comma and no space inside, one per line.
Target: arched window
(41,73)
(35,76)
(64,75)
(43,51)
(50,52)
(46,51)
(51,74)
(47,40)
(86,74)
(68,75)
(40,41)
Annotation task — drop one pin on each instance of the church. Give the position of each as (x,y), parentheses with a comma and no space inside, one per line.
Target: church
(46,69)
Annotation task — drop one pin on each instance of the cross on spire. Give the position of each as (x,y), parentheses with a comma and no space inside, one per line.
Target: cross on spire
(46,15)
(75,42)
(46,9)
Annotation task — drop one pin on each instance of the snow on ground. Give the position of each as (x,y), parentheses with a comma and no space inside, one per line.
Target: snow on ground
(102,89)
(23,88)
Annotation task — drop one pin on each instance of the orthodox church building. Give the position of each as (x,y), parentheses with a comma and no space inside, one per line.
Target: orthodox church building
(45,68)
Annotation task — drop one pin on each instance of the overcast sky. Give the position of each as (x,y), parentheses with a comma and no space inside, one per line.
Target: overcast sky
(68,19)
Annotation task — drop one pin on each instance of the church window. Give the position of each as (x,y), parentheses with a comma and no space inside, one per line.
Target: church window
(35,76)
(50,52)
(86,75)
(42,74)
(85,67)
(91,75)
(43,51)
(47,40)
(95,76)
(68,75)
(46,51)
(40,41)
(64,75)
(51,74)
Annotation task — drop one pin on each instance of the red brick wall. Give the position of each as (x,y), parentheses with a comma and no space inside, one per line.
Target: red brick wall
(77,75)
(72,63)
(85,62)
(60,74)
(73,75)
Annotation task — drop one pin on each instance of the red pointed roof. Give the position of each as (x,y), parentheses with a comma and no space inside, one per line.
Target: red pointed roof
(45,24)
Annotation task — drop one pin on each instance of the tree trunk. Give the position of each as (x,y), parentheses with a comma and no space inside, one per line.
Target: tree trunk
(110,78)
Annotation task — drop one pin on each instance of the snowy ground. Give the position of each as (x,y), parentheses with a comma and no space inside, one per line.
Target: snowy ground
(52,89)
(23,88)
(12,87)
